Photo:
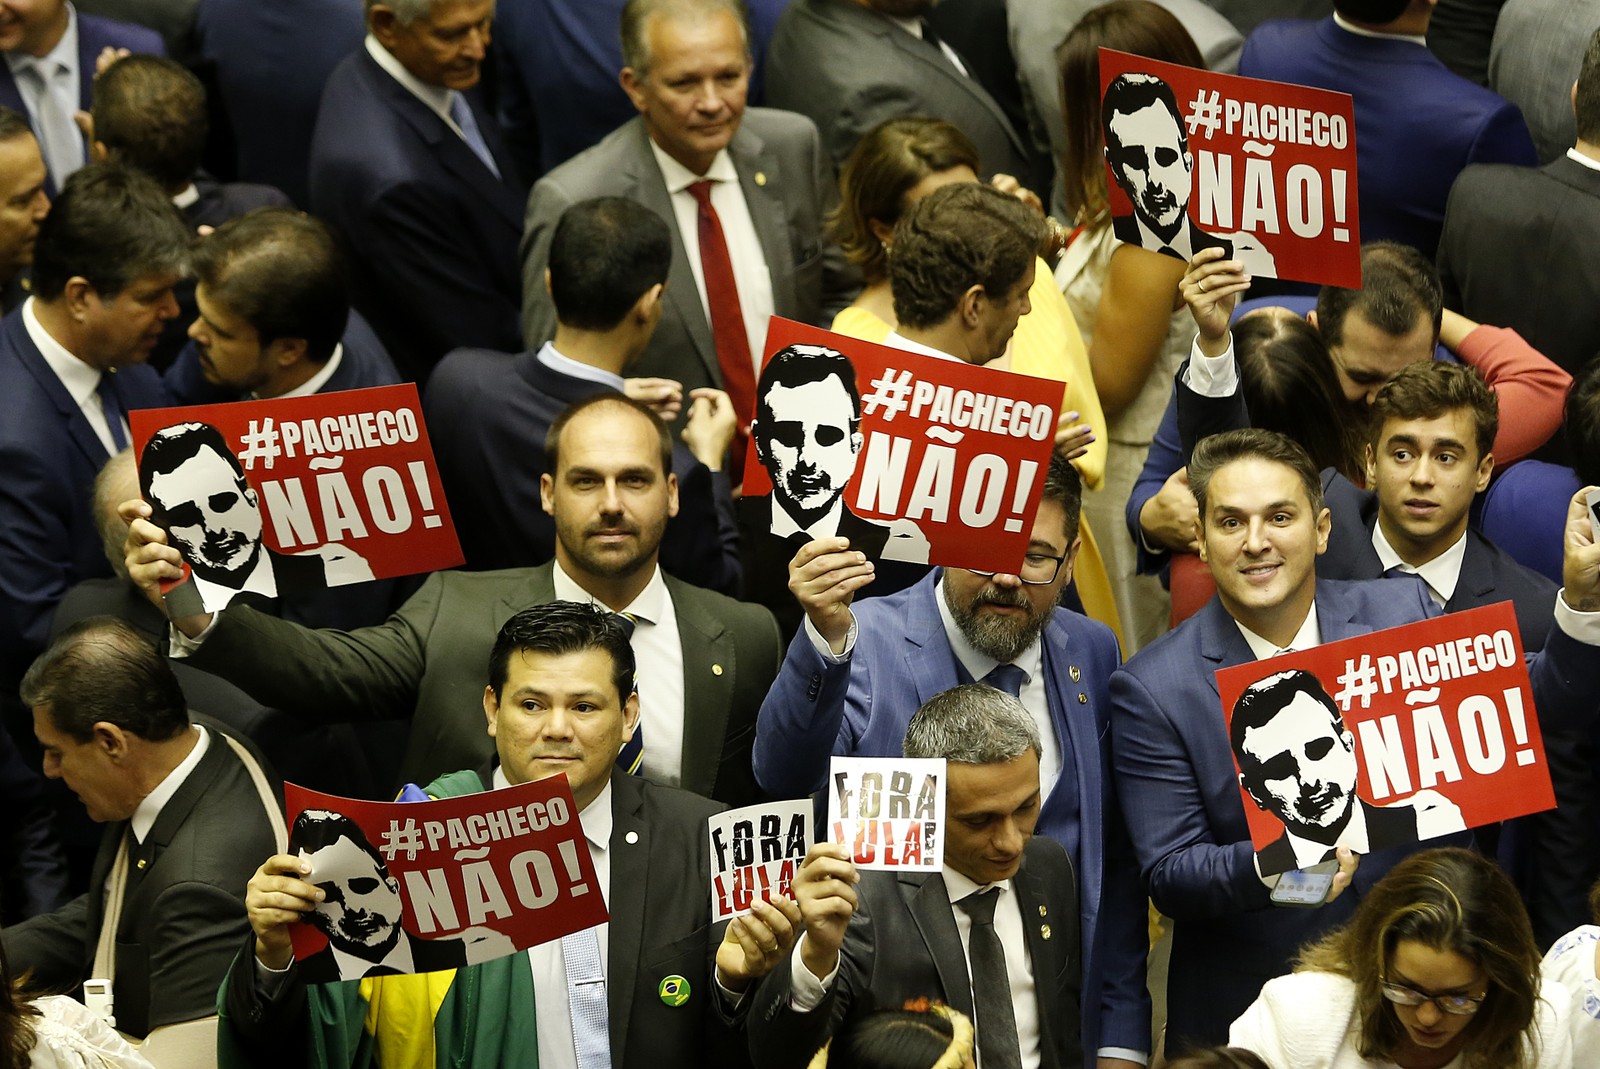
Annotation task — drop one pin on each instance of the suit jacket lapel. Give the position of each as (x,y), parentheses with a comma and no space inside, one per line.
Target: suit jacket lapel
(177,810)
(941,67)
(929,902)
(1033,902)
(930,661)
(630,876)
(1336,614)
(707,646)
(1221,644)
(538,588)
(83,435)
(762,183)
(1477,579)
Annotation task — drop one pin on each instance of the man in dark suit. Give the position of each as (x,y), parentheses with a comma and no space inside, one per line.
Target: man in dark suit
(105,263)
(1261,527)
(188,810)
(711,659)
(1536,53)
(858,670)
(755,182)
(50,81)
(1419,123)
(490,412)
(410,169)
(560,701)
(1518,243)
(993,934)
(23,203)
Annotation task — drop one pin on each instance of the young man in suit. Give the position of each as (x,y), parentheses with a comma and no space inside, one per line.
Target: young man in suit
(993,934)
(561,700)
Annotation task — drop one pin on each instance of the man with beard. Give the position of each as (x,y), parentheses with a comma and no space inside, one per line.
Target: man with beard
(705,660)
(855,675)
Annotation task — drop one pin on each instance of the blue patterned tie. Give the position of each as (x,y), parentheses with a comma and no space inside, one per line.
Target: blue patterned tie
(586,999)
(461,112)
(111,406)
(631,757)
(1007,677)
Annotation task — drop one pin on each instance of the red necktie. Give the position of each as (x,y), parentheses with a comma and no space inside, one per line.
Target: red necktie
(727,319)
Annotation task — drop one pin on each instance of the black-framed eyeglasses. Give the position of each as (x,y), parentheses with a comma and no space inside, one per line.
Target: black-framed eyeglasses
(1459,1005)
(1037,569)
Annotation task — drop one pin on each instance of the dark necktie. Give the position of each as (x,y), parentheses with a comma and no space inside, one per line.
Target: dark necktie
(727,318)
(631,757)
(111,406)
(1007,677)
(998,1047)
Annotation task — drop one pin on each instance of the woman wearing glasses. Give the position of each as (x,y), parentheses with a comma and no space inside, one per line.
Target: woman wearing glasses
(1438,968)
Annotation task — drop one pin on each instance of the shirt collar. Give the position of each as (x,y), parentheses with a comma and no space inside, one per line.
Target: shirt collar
(1308,852)
(1181,242)
(897,340)
(64,54)
(316,382)
(562,364)
(262,580)
(595,817)
(1588,161)
(436,97)
(679,178)
(1308,637)
(81,379)
(1361,31)
(650,606)
(958,886)
(977,663)
(1441,574)
(190,194)
(784,525)
(144,816)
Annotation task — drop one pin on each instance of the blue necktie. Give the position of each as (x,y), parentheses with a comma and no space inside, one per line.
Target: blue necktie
(461,112)
(631,757)
(586,999)
(111,406)
(1007,677)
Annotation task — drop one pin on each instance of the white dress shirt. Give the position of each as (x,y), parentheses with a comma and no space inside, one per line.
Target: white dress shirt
(562,364)
(316,382)
(149,808)
(1441,574)
(80,379)
(750,273)
(437,97)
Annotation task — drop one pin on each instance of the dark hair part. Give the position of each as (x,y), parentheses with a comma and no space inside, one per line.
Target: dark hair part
(13,124)
(169,447)
(798,365)
(1266,698)
(1448,900)
(282,272)
(1581,423)
(150,113)
(101,669)
(1219,1058)
(605,254)
(1129,93)
(1064,486)
(558,628)
(892,1039)
(1251,443)
(885,165)
(1139,27)
(957,237)
(1428,389)
(1290,386)
(552,440)
(1398,284)
(1373,11)
(111,225)
(636,15)
(1586,106)
(317,829)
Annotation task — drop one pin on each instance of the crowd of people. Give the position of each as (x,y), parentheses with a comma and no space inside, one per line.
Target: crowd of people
(570,225)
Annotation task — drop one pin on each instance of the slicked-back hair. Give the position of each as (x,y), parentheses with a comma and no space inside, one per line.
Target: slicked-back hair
(798,365)
(1430,388)
(102,670)
(885,165)
(282,272)
(552,440)
(1449,900)
(1581,424)
(111,225)
(957,237)
(406,12)
(635,24)
(1140,27)
(1290,386)
(1251,443)
(13,124)
(973,724)
(1129,93)
(150,113)
(605,254)
(1398,284)
(558,628)
(1373,11)
(1064,486)
(1587,105)
(171,446)
(1266,698)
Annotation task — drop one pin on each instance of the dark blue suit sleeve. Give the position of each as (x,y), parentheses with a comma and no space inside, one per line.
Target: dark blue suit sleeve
(1164,458)
(801,718)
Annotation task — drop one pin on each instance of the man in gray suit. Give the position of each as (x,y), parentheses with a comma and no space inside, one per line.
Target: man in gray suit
(708,659)
(746,192)
(1538,47)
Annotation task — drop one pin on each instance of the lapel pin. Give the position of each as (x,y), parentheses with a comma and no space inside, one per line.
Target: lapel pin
(1083,699)
(1044,931)
(631,838)
(1043,912)
(1072,670)
(674,990)
(141,863)
(716,669)
(761,178)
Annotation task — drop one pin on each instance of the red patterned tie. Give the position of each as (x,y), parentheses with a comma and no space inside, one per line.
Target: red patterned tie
(727,320)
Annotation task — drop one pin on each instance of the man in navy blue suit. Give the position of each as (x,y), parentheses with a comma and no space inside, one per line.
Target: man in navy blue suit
(50,52)
(1262,525)
(410,169)
(104,266)
(856,673)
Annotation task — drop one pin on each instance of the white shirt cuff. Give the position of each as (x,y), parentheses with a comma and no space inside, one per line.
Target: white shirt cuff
(820,644)
(1125,1053)
(180,645)
(806,992)
(730,998)
(1582,626)
(1211,376)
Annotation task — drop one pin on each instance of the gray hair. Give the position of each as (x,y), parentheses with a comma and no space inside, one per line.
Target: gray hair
(973,724)
(636,16)
(405,11)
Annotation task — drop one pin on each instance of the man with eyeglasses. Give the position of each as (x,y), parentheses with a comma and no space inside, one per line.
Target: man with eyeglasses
(856,674)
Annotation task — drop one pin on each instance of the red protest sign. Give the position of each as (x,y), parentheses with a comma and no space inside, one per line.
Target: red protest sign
(1388,738)
(918,459)
(1266,170)
(295,494)
(424,886)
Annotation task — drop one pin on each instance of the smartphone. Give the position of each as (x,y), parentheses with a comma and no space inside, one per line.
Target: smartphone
(1305,887)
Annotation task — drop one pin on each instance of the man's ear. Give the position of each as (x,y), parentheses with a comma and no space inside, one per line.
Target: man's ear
(1253,789)
(633,84)
(384,26)
(1371,463)
(286,352)
(98,153)
(79,293)
(1324,526)
(1311,317)
(644,308)
(547,281)
(672,495)
(1485,471)
(971,305)
(630,716)
(491,710)
(111,739)
(547,487)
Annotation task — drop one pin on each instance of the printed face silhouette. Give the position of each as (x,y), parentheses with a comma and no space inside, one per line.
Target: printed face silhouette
(361,913)
(211,515)
(808,445)
(1151,166)
(1301,768)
